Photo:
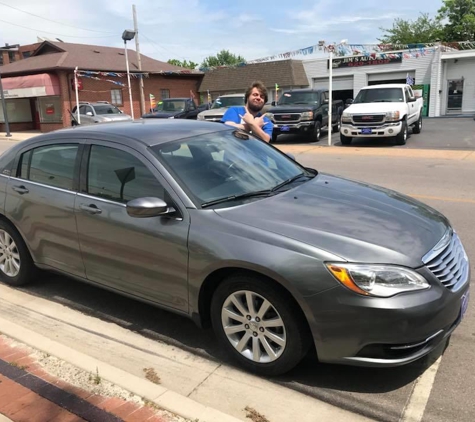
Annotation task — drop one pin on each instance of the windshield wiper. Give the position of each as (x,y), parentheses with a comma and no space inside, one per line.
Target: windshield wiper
(265,192)
(289,181)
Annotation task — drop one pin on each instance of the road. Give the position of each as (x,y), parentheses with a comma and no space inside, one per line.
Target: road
(438,388)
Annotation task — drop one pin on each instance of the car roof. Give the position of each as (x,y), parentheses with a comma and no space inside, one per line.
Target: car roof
(385,86)
(147,132)
(177,98)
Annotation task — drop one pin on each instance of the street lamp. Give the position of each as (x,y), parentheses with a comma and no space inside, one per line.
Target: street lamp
(4,106)
(128,35)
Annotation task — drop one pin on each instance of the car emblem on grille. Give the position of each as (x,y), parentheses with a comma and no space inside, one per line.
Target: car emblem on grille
(285,116)
(366,117)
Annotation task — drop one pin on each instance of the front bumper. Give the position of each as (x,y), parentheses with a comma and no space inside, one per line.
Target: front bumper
(303,126)
(385,332)
(377,131)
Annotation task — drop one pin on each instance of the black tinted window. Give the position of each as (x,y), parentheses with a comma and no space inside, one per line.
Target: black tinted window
(119,176)
(51,165)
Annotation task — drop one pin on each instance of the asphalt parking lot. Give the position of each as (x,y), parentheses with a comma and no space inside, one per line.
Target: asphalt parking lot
(453,133)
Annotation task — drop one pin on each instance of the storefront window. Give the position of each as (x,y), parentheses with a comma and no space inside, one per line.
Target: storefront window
(50,109)
(18,111)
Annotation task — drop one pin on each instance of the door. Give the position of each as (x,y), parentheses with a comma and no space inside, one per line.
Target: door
(454,95)
(192,111)
(145,257)
(40,203)
(87,114)
(412,112)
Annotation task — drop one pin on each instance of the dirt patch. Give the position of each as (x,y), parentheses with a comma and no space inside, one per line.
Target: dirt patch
(254,415)
(151,375)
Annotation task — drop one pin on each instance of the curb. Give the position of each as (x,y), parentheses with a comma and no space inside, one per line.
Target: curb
(162,397)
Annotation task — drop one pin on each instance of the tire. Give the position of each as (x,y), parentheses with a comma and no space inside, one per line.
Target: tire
(317,131)
(74,123)
(345,140)
(418,126)
(257,351)
(336,128)
(273,139)
(16,266)
(401,137)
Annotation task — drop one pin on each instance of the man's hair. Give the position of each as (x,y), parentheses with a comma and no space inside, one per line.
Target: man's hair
(260,86)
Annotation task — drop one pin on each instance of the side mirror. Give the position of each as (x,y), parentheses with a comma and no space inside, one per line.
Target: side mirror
(349,101)
(412,99)
(273,103)
(89,113)
(325,101)
(147,207)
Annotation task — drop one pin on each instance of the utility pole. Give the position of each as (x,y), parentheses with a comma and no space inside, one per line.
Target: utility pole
(139,61)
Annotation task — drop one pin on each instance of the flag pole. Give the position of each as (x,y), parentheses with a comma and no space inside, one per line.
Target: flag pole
(330,99)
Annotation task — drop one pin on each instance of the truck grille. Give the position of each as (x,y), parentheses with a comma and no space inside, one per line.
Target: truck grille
(450,265)
(213,118)
(287,117)
(369,118)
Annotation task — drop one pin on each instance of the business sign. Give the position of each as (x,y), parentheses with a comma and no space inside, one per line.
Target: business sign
(39,91)
(357,61)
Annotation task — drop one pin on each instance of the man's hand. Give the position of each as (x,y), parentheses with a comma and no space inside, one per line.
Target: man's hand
(259,121)
(248,118)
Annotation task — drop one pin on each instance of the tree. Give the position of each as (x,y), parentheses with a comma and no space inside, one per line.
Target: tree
(184,63)
(223,58)
(460,16)
(423,30)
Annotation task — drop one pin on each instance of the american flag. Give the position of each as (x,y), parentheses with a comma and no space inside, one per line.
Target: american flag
(409,80)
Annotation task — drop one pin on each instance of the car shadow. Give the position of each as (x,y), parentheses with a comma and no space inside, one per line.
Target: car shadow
(309,377)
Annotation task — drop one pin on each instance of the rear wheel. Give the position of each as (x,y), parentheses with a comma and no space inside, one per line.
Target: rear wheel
(336,128)
(258,325)
(418,126)
(401,137)
(345,140)
(16,266)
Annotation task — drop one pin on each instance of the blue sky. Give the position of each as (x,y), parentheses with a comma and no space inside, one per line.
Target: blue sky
(195,29)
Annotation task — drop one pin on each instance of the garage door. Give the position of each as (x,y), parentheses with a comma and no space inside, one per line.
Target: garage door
(390,76)
(338,84)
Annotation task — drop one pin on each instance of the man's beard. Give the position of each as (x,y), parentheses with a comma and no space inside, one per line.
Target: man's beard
(253,107)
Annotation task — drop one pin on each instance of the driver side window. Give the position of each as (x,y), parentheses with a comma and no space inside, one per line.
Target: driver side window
(119,176)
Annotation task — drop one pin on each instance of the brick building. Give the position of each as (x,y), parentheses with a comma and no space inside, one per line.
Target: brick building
(40,91)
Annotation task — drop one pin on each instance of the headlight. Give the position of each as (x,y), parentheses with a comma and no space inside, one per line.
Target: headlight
(392,115)
(270,116)
(171,117)
(346,118)
(307,115)
(200,117)
(377,280)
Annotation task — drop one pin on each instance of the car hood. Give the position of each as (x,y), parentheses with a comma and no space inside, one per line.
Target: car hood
(161,114)
(214,111)
(374,107)
(356,221)
(299,108)
(115,117)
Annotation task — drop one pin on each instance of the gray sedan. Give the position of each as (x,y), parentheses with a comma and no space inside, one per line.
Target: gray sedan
(209,222)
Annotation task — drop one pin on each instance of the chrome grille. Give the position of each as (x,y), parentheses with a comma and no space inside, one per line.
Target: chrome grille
(450,265)
(368,118)
(287,117)
(213,118)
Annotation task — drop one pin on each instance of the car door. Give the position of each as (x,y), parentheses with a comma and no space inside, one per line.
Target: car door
(40,203)
(324,108)
(145,257)
(192,110)
(411,107)
(87,114)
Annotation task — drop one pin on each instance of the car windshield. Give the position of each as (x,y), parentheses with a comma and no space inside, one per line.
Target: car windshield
(228,102)
(228,163)
(106,109)
(170,105)
(380,95)
(299,98)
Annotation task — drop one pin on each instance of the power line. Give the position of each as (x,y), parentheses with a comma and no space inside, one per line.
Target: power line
(61,23)
(163,48)
(54,33)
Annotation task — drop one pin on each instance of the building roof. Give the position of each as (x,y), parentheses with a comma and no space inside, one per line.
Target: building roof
(281,72)
(66,56)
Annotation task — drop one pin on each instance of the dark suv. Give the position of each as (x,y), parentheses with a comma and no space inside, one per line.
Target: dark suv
(174,108)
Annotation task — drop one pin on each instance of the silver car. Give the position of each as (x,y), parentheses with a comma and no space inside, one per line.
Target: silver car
(99,112)
(220,105)
(213,224)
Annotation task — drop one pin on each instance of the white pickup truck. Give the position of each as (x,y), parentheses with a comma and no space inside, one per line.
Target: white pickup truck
(381,111)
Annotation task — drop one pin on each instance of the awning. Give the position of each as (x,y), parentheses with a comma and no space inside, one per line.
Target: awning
(31,86)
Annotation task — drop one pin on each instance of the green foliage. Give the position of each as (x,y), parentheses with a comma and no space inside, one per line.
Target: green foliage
(223,58)
(185,63)
(459,16)
(423,30)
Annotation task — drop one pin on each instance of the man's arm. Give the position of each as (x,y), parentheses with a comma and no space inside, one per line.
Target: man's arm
(232,118)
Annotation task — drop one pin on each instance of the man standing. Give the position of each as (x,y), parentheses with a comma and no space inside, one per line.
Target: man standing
(249,117)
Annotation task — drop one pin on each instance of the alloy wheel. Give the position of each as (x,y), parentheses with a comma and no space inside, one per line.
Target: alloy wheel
(9,255)
(253,326)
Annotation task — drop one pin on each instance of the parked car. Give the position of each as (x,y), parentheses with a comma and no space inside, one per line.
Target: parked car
(98,112)
(216,225)
(220,105)
(382,111)
(174,108)
(304,111)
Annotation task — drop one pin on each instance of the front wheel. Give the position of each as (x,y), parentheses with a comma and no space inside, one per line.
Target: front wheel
(345,140)
(336,128)
(16,266)
(418,126)
(258,325)
(317,131)
(273,139)
(401,137)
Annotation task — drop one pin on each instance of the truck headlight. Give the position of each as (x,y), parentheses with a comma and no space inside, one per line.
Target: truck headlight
(392,115)
(307,115)
(377,280)
(270,116)
(200,117)
(346,118)
(171,117)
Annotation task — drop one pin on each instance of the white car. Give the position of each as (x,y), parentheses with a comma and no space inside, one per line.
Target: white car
(220,106)
(382,111)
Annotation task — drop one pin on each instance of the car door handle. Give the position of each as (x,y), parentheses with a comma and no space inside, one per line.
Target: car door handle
(20,189)
(91,209)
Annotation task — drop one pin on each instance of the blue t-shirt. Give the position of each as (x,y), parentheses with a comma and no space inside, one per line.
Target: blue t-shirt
(232,115)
